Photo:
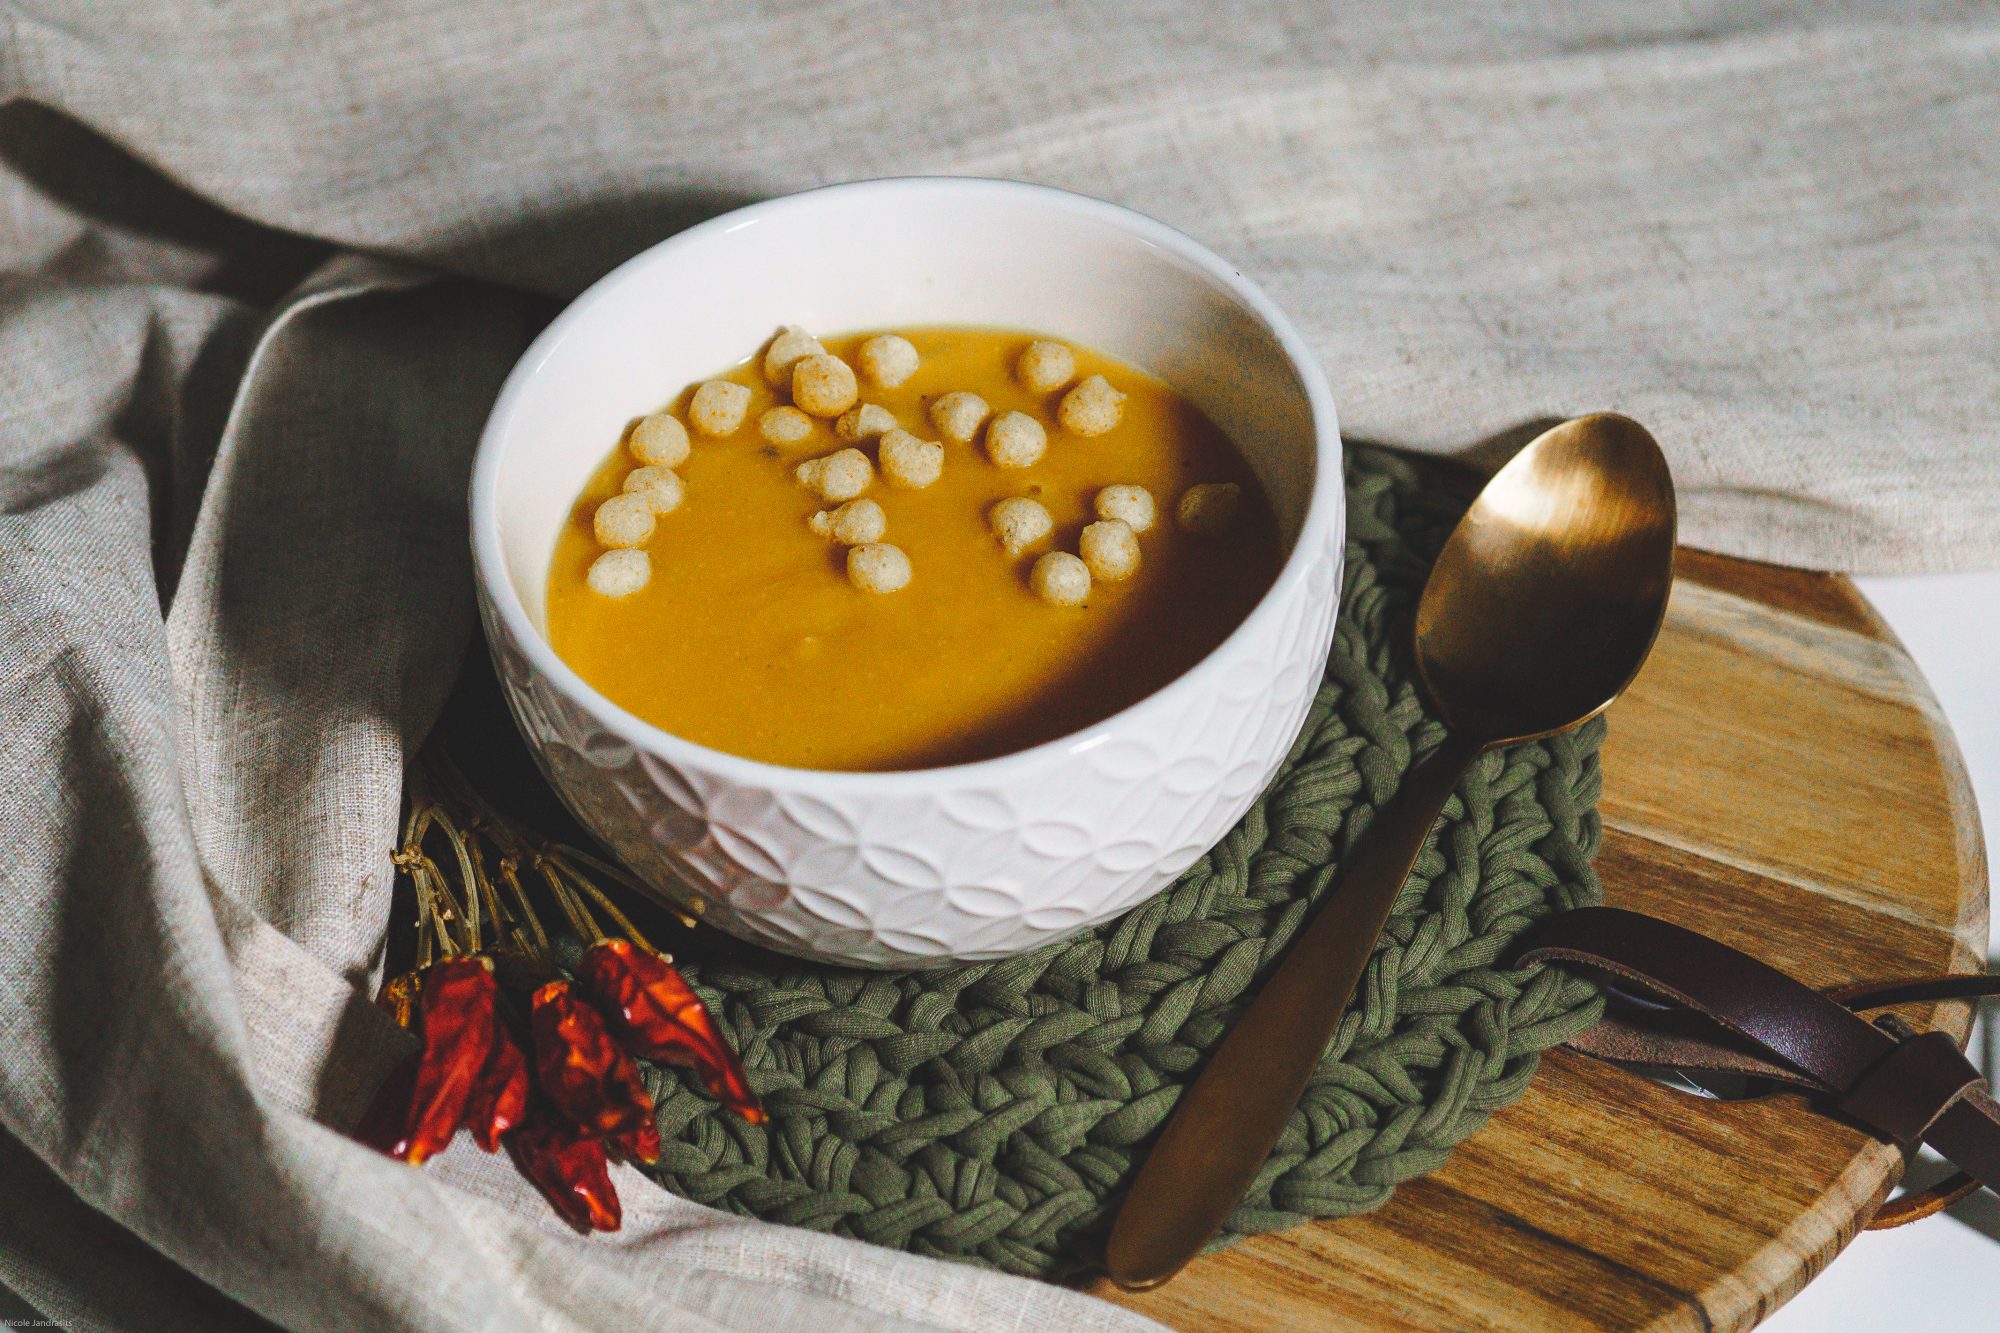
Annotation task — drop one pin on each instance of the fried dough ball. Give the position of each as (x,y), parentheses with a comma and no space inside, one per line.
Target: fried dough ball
(719,407)
(660,487)
(823,385)
(1045,366)
(908,462)
(887,359)
(864,422)
(1130,505)
(855,523)
(957,416)
(792,345)
(837,477)
(1110,549)
(1019,523)
(878,567)
(619,573)
(1060,579)
(1091,408)
(623,520)
(1016,439)
(785,426)
(1210,507)
(660,440)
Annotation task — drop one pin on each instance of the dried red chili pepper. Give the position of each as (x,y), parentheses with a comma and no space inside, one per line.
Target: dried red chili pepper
(661,1018)
(460,1027)
(499,1099)
(382,1124)
(569,1168)
(637,1145)
(585,1073)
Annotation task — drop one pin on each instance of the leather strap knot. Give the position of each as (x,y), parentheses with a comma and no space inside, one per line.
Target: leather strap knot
(1728,1012)
(1903,1095)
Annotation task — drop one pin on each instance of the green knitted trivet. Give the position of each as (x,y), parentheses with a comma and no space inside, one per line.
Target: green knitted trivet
(993,1112)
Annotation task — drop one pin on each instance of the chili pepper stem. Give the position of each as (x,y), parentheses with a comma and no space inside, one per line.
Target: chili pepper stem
(566,898)
(449,914)
(506,931)
(510,876)
(618,876)
(610,909)
(447,826)
(572,863)
(439,916)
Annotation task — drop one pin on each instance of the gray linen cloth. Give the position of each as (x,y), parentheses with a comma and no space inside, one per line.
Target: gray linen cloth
(237,403)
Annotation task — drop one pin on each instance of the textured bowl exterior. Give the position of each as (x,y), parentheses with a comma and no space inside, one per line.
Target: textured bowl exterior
(975,861)
(979,865)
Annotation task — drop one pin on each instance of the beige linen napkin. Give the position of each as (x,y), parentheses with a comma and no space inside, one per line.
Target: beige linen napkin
(232,549)
(1770,231)
(196,888)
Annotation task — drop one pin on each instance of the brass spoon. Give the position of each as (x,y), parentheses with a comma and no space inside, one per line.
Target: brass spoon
(1539,611)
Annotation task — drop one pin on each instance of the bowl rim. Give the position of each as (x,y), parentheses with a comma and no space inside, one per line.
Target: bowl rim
(1325,508)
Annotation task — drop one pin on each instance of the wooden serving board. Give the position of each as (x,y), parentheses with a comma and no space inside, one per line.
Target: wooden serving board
(1780,777)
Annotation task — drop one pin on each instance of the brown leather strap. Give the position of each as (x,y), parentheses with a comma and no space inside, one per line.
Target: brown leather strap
(1741,1016)
(1917,1205)
(1917,990)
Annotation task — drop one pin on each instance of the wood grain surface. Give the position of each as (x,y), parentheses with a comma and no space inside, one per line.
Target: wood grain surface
(1780,777)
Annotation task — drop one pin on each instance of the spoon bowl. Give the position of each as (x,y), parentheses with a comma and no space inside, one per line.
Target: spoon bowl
(1539,611)
(1549,592)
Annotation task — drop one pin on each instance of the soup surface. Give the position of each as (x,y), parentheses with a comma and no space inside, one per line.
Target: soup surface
(749,637)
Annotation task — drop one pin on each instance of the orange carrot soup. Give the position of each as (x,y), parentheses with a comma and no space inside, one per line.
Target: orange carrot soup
(905,549)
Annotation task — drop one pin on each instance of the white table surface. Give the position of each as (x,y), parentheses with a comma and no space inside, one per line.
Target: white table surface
(1943,1274)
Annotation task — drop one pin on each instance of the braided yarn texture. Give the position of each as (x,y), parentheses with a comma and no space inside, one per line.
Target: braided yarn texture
(993,1113)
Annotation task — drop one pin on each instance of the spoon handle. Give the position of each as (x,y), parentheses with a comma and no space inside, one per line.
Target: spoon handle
(1223,1128)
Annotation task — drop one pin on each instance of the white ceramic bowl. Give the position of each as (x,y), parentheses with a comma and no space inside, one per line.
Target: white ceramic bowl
(978,860)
